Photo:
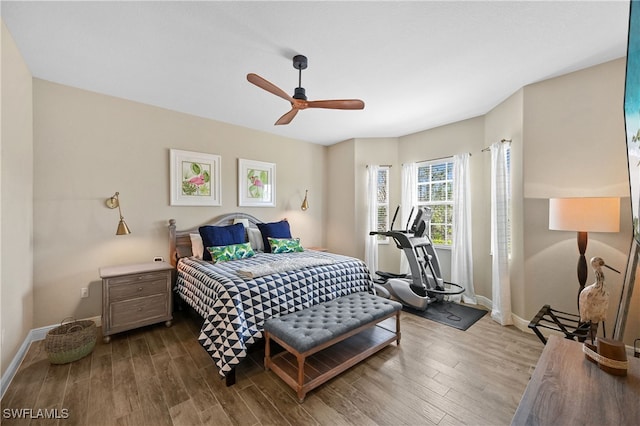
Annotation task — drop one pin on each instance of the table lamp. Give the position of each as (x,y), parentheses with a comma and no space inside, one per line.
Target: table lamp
(583,215)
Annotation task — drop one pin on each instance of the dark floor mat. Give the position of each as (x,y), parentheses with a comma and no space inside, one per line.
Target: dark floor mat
(449,313)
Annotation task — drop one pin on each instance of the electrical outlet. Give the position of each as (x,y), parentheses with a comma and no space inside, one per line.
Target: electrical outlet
(84,292)
(158,259)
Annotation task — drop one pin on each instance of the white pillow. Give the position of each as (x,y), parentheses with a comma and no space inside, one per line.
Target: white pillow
(244,222)
(197,246)
(255,239)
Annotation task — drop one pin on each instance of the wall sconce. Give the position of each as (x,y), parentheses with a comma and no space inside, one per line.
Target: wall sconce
(112,203)
(305,203)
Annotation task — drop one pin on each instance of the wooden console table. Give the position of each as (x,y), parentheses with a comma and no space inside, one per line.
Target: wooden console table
(567,389)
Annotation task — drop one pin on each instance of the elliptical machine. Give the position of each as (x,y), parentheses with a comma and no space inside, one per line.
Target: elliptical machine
(424,285)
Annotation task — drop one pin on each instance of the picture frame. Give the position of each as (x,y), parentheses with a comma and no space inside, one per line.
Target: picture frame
(256,183)
(195,178)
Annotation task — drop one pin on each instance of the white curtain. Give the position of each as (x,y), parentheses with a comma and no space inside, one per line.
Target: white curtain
(461,251)
(371,245)
(501,285)
(409,199)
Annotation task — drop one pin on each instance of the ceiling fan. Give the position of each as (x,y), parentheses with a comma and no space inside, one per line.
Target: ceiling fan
(299,100)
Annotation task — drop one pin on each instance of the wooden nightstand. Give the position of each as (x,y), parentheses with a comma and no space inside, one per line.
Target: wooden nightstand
(134,296)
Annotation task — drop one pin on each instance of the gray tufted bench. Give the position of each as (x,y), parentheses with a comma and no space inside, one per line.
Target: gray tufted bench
(326,339)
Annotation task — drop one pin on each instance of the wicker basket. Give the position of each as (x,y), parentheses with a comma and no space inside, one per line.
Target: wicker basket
(70,341)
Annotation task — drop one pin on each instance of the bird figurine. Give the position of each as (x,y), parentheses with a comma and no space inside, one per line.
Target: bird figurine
(594,299)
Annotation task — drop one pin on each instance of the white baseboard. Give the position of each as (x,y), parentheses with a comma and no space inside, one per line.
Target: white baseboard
(519,323)
(483,301)
(33,335)
(12,369)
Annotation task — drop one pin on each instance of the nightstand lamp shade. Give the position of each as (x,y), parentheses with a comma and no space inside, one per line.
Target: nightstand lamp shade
(112,203)
(591,214)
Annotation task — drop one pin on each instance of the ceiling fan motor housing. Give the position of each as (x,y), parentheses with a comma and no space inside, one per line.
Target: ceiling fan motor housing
(300,93)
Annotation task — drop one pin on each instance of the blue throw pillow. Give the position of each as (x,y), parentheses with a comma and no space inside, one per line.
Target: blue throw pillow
(213,236)
(274,230)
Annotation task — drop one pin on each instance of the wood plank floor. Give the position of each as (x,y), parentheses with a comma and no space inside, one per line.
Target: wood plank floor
(162,376)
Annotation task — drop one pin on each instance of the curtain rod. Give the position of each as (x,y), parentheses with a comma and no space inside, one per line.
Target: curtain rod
(381,165)
(501,140)
(436,159)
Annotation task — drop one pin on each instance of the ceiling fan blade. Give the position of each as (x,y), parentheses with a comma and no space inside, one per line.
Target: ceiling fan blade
(337,104)
(286,119)
(268,86)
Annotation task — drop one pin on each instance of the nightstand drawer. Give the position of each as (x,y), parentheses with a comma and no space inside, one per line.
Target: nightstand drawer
(136,278)
(137,312)
(137,288)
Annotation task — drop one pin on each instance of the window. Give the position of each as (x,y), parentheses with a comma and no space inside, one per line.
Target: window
(382,203)
(435,190)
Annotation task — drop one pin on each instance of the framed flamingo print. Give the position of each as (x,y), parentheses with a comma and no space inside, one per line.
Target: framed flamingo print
(256,183)
(195,178)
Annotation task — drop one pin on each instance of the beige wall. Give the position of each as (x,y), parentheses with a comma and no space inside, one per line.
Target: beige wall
(578,119)
(341,193)
(574,145)
(88,146)
(16,200)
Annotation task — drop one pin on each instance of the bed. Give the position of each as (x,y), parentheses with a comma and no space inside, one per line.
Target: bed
(235,297)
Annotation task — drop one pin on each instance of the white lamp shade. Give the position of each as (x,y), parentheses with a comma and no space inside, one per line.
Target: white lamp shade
(595,214)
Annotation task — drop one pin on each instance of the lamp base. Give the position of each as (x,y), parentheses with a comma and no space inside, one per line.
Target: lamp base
(582,264)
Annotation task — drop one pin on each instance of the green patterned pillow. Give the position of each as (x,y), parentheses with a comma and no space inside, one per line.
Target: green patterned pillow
(231,252)
(285,245)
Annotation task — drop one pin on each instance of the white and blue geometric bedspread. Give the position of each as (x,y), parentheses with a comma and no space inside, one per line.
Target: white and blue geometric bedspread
(234,309)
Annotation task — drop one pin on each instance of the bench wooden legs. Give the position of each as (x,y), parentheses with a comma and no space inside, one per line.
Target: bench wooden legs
(301,391)
(397,327)
(300,358)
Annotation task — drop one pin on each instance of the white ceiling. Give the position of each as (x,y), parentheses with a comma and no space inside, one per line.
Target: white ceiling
(417,65)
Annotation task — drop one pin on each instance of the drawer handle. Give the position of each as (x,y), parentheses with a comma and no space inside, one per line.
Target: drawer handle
(140,277)
(139,309)
(140,288)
